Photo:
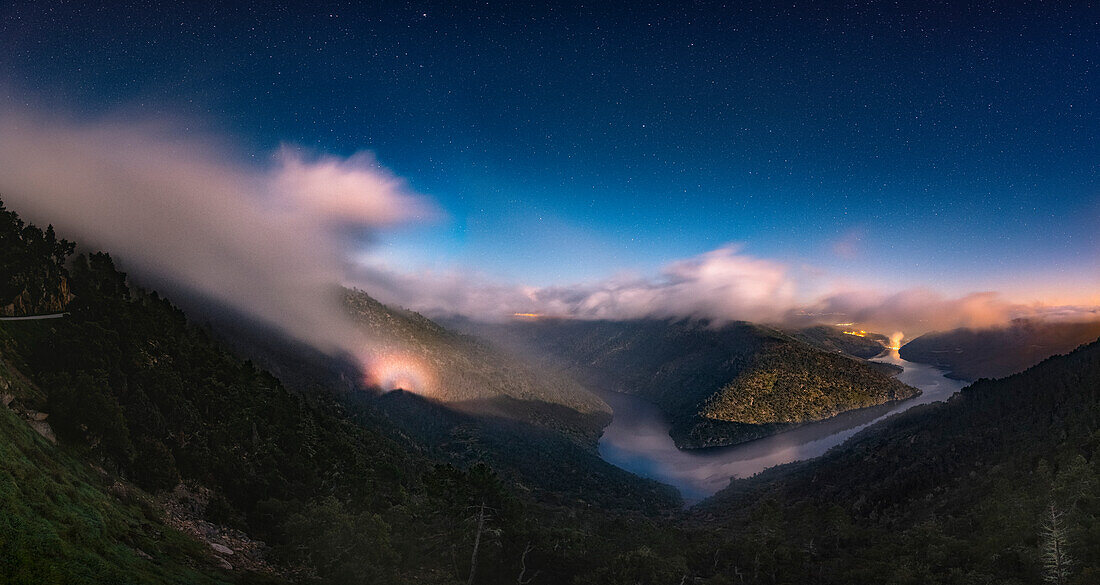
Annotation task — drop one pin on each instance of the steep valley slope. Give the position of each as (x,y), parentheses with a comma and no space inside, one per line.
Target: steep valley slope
(996,352)
(344,485)
(470,376)
(348,486)
(977,489)
(719,385)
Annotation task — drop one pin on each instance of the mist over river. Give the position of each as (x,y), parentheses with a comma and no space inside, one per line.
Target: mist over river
(637,438)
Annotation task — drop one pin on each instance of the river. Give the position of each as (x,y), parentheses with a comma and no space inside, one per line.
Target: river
(637,438)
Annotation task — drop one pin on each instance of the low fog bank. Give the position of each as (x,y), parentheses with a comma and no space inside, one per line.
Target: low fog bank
(721,286)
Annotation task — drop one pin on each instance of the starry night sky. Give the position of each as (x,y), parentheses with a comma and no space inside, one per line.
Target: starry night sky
(945,144)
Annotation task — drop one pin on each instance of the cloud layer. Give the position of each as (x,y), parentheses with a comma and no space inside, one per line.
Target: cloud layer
(265,239)
(272,240)
(721,285)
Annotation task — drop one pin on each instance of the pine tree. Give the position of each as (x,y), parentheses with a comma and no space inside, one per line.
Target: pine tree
(1056,560)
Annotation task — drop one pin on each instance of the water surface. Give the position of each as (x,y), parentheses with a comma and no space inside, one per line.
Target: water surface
(637,438)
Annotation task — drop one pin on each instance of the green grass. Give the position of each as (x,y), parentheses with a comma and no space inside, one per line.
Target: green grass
(59,523)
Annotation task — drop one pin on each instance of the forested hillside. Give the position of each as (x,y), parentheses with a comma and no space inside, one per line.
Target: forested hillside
(178,462)
(65,522)
(500,428)
(720,385)
(997,352)
(470,376)
(152,402)
(129,385)
(976,490)
(865,345)
(33,268)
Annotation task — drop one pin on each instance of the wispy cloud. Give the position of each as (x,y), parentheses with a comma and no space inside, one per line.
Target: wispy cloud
(849,245)
(265,239)
(722,284)
(354,191)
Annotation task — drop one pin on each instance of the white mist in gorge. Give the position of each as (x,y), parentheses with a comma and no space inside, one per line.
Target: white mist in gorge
(265,239)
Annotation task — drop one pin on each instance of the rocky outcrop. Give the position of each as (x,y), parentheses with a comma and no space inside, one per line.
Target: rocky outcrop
(43,428)
(48,300)
(36,420)
(185,508)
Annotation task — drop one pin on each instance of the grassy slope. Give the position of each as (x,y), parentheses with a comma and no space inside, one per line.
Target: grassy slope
(61,524)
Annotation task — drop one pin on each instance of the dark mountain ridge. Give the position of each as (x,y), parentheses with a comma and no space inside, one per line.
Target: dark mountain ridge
(996,352)
(954,492)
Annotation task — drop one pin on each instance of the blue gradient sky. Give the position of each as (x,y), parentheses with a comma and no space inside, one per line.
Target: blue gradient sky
(952,145)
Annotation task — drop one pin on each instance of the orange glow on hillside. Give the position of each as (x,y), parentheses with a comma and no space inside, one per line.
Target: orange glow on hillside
(860,333)
(527,315)
(395,371)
